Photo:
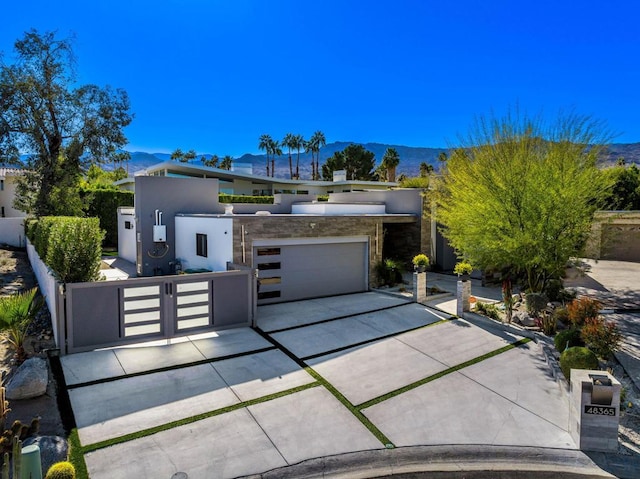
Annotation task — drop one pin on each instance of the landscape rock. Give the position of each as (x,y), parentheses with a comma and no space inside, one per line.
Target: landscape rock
(30,380)
(52,449)
(523,318)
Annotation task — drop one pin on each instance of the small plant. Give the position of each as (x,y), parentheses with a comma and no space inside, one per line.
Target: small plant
(561,314)
(388,272)
(462,268)
(579,310)
(548,324)
(535,302)
(602,337)
(420,261)
(61,470)
(567,339)
(488,309)
(577,358)
(16,313)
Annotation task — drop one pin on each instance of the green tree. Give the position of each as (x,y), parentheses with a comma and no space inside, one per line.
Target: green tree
(189,156)
(519,195)
(275,151)
(298,144)
(177,155)
(289,142)
(62,129)
(390,161)
(314,144)
(355,159)
(100,178)
(265,145)
(624,193)
(425,169)
(226,163)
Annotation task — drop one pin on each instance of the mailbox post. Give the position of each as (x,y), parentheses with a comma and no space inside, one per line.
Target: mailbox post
(594,410)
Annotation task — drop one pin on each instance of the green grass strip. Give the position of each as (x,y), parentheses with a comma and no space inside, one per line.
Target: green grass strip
(453,369)
(192,419)
(354,410)
(76,456)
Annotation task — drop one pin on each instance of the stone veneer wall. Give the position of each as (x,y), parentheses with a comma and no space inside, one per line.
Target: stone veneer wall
(614,235)
(290,226)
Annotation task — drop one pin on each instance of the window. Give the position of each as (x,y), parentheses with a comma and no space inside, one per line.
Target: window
(268,251)
(268,266)
(2,214)
(201,244)
(269,294)
(1,185)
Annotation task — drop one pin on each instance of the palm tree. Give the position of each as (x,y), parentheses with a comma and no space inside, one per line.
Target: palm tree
(265,145)
(318,140)
(275,151)
(226,163)
(177,154)
(289,142)
(309,148)
(298,142)
(390,161)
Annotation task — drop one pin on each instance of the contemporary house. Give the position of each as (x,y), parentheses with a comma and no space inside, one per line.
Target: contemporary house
(244,183)
(300,247)
(11,219)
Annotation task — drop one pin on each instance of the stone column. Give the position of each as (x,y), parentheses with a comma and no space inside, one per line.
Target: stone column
(419,287)
(463,293)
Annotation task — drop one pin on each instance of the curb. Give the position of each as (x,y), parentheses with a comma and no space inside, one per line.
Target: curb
(450,462)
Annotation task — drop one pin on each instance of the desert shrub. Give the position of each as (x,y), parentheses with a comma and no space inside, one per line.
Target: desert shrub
(567,339)
(579,310)
(61,470)
(17,311)
(535,302)
(553,289)
(561,314)
(488,309)
(75,248)
(548,324)
(600,336)
(577,357)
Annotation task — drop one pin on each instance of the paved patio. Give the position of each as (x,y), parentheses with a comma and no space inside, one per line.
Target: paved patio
(363,372)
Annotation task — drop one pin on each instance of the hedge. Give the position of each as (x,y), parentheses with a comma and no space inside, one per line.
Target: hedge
(104,205)
(224,198)
(70,246)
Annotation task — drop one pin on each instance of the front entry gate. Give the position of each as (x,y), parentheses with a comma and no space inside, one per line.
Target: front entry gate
(106,314)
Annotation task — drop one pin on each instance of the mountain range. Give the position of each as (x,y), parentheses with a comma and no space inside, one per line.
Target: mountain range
(410,158)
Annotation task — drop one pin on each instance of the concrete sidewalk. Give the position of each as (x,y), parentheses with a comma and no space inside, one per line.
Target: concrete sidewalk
(335,376)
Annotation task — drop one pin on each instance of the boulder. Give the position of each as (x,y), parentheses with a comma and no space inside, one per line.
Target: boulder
(30,380)
(523,318)
(52,449)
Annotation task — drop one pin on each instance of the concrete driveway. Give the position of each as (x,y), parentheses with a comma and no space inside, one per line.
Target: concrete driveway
(324,377)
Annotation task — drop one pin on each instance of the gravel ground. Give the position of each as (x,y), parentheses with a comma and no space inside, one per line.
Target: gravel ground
(16,275)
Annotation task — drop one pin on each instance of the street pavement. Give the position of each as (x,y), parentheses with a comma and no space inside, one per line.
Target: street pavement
(341,378)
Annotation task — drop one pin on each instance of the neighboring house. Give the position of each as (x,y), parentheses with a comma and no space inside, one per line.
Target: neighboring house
(299,247)
(11,219)
(242,183)
(8,193)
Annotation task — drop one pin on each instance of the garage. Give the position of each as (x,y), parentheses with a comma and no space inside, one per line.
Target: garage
(301,268)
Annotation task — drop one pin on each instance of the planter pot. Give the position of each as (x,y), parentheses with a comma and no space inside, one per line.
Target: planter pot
(419,269)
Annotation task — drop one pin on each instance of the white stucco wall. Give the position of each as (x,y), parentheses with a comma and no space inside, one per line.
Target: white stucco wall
(127,236)
(12,232)
(219,233)
(333,209)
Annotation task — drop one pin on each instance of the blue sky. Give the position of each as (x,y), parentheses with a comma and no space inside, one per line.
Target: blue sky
(214,75)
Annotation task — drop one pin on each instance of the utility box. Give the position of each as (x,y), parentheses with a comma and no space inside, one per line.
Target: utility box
(594,410)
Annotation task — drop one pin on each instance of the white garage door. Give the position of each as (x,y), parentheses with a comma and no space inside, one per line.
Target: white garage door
(300,269)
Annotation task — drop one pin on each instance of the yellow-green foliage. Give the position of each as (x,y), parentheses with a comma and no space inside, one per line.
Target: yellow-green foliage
(61,470)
